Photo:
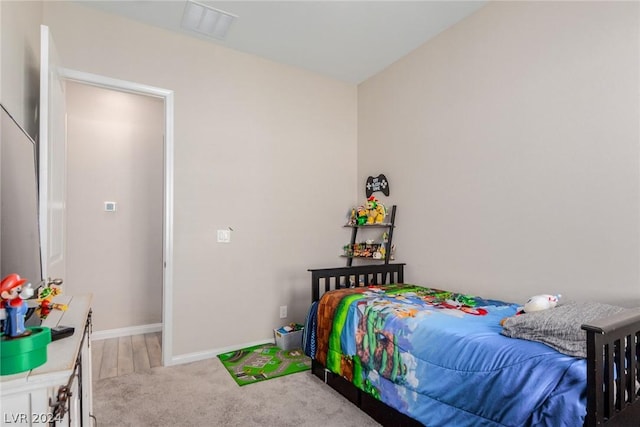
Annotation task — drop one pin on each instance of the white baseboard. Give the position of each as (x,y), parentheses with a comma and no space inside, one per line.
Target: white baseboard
(209,354)
(176,360)
(125,332)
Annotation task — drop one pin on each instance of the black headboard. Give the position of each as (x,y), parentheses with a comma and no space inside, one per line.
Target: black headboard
(347,277)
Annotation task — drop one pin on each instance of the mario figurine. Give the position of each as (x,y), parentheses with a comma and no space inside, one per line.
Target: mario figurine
(13,293)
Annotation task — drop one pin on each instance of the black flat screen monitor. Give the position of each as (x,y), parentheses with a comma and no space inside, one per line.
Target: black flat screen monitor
(19,227)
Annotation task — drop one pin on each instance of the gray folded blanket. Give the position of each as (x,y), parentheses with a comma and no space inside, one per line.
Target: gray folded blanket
(559,327)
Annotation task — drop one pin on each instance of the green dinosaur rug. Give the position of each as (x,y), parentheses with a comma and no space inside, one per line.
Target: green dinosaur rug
(263,362)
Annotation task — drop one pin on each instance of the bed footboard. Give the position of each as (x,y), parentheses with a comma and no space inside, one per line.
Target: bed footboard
(613,370)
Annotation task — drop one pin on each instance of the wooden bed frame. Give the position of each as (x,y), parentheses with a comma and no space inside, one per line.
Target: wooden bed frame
(612,343)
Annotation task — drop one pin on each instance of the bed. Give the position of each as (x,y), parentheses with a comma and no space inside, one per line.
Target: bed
(409,355)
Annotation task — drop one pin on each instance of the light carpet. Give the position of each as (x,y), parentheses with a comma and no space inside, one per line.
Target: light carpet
(204,394)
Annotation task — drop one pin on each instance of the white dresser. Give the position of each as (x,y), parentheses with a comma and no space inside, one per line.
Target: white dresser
(57,393)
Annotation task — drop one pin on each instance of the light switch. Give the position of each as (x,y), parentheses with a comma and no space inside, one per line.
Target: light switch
(109,206)
(224,236)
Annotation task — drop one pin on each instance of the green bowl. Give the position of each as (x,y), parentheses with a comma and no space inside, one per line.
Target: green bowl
(24,353)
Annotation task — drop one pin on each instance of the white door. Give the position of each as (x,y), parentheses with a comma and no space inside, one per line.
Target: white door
(52,159)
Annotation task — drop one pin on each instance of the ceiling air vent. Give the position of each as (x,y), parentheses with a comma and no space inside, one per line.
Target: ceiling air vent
(206,20)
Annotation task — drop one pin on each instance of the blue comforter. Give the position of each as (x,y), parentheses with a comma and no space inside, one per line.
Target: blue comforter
(439,357)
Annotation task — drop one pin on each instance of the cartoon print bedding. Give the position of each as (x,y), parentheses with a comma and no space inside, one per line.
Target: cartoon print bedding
(439,357)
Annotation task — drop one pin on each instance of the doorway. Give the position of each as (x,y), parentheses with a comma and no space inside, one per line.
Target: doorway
(114,205)
(120,199)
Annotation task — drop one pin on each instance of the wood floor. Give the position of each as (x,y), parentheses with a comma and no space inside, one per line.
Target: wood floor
(125,355)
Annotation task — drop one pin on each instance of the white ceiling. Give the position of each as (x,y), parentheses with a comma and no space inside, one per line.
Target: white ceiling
(346,40)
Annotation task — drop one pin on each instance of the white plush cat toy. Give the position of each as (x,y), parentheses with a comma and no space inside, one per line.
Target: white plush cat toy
(541,302)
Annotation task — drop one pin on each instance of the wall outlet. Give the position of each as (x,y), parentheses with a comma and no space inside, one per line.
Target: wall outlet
(283,311)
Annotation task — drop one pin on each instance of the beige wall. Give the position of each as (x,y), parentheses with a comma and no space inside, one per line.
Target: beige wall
(20,60)
(511,142)
(115,153)
(263,148)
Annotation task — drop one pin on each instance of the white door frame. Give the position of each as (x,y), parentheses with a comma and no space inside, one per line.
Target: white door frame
(167,246)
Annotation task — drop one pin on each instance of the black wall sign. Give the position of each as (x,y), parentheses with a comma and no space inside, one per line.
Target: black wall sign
(378,183)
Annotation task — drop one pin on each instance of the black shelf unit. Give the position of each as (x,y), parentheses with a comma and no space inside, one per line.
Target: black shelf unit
(388,225)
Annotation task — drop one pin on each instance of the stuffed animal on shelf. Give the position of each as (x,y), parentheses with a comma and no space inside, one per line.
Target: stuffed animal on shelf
(362,215)
(372,212)
(376,211)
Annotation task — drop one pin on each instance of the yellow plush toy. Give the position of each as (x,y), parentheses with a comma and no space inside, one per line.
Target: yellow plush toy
(376,211)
